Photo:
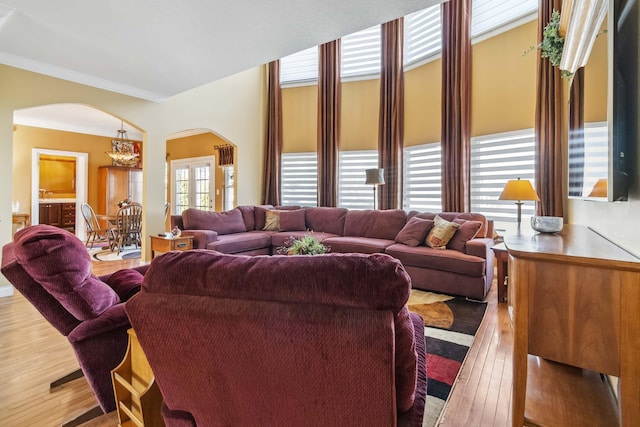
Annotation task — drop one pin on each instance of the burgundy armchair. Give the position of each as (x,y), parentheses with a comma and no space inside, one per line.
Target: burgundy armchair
(322,340)
(52,269)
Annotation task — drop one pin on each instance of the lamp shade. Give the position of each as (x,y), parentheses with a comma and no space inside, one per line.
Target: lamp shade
(517,189)
(375,176)
(599,189)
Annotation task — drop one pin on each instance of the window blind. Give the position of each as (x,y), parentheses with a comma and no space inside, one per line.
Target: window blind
(422,34)
(353,193)
(422,180)
(299,179)
(495,159)
(361,53)
(300,67)
(489,15)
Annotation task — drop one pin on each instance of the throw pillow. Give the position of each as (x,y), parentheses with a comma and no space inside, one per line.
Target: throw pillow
(467,231)
(293,220)
(441,233)
(414,232)
(272,220)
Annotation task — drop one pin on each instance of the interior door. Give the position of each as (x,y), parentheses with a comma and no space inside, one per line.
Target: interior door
(192,183)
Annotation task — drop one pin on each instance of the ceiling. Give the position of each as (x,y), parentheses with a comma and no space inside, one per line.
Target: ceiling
(155,49)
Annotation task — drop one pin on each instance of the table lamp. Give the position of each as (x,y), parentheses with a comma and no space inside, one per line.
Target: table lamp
(375,177)
(519,190)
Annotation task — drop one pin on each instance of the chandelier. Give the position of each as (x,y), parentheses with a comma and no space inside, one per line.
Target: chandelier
(122,147)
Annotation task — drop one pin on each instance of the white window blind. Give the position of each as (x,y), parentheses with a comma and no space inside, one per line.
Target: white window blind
(353,193)
(488,15)
(300,67)
(299,180)
(361,53)
(422,34)
(422,180)
(495,159)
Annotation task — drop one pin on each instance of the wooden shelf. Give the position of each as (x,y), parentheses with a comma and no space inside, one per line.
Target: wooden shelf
(137,395)
(564,395)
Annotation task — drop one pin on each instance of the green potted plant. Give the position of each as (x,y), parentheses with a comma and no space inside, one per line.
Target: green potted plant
(305,245)
(552,43)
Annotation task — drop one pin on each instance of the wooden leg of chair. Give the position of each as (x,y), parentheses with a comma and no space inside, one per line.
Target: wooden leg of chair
(65,379)
(92,413)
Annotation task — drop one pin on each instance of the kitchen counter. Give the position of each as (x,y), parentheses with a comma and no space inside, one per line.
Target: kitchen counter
(57,200)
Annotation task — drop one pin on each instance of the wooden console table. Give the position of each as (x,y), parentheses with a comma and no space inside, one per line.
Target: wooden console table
(576,298)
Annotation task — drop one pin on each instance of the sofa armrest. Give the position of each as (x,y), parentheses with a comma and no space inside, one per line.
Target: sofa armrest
(201,238)
(112,319)
(480,247)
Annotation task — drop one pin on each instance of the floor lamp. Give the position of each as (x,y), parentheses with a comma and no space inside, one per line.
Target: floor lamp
(375,177)
(519,190)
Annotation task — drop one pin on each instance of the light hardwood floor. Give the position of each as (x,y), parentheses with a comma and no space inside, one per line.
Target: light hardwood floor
(32,353)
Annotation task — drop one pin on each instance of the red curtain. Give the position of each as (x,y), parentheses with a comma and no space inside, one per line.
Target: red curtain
(548,125)
(456,105)
(391,119)
(273,138)
(328,122)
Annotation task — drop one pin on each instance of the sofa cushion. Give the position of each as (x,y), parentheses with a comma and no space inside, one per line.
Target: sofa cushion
(363,245)
(377,224)
(241,242)
(292,220)
(441,232)
(248,216)
(271,220)
(438,259)
(328,220)
(467,231)
(125,282)
(414,231)
(59,261)
(222,222)
(450,216)
(260,213)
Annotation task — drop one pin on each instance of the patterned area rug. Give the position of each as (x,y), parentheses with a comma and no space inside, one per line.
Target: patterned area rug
(105,254)
(450,327)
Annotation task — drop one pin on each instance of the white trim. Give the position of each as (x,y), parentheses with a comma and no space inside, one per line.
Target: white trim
(6,291)
(190,163)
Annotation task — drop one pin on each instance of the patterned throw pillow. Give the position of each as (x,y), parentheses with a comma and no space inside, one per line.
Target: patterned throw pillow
(272,220)
(441,233)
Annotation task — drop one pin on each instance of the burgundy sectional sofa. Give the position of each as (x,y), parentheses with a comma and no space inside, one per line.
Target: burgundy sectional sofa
(464,268)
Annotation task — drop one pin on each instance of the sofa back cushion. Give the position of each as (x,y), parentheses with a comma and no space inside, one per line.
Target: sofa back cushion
(467,231)
(222,222)
(375,224)
(293,220)
(326,220)
(248,216)
(353,281)
(60,263)
(414,231)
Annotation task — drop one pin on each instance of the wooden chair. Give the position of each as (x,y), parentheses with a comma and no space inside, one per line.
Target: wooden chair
(95,234)
(128,229)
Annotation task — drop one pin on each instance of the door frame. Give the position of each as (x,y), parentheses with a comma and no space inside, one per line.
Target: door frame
(82,173)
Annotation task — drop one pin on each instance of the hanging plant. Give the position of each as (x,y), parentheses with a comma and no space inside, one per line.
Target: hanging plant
(552,43)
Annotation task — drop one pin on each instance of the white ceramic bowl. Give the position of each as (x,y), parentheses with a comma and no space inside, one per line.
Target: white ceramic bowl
(547,224)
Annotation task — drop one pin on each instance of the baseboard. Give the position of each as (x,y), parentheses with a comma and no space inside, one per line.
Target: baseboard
(6,291)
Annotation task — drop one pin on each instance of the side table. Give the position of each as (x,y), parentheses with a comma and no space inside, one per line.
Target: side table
(166,244)
(502,259)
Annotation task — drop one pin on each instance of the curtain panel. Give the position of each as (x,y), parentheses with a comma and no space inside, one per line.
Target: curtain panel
(548,125)
(273,140)
(328,123)
(391,118)
(225,155)
(576,134)
(456,105)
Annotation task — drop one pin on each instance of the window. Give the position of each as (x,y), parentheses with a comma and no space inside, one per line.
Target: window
(353,193)
(300,67)
(192,183)
(422,34)
(495,159)
(299,184)
(489,15)
(361,53)
(229,196)
(422,179)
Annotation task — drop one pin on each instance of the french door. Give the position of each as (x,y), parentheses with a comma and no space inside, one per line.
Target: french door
(192,183)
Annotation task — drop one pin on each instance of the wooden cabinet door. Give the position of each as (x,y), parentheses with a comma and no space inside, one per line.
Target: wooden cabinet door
(117,183)
(50,213)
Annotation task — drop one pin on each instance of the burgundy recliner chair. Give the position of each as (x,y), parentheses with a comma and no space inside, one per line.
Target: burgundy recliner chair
(52,269)
(323,340)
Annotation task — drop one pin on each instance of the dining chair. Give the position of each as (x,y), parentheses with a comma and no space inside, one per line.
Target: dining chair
(95,234)
(128,227)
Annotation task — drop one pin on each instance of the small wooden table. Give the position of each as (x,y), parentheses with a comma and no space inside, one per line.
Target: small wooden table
(166,244)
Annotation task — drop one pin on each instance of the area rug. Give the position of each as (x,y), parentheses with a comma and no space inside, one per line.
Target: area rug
(450,327)
(105,254)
